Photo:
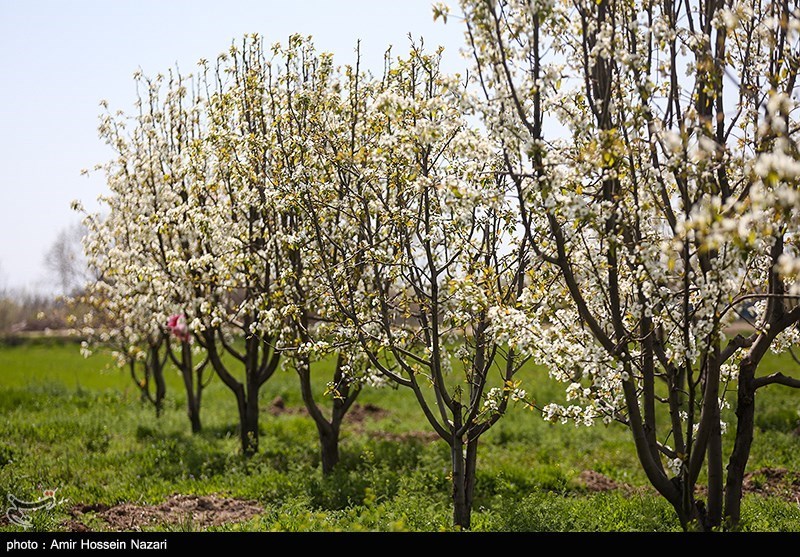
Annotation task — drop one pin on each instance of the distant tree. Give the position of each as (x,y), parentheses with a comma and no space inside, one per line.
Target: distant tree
(8,309)
(66,262)
(6,306)
(108,323)
(141,245)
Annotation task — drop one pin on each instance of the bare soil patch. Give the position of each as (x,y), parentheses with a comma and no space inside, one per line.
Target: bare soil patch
(357,414)
(596,482)
(278,408)
(406,436)
(195,511)
(360,413)
(778,482)
(774,482)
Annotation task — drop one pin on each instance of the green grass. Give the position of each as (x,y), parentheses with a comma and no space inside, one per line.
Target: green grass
(78,425)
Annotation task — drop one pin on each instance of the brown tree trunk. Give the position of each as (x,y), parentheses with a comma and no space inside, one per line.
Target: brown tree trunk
(156,368)
(679,510)
(248,416)
(714,447)
(143,384)
(192,402)
(745,412)
(198,397)
(194,416)
(715,477)
(461,512)
(464,460)
(329,448)
(692,515)
(246,395)
(469,473)
(328,430)
(161,388)
(248,429)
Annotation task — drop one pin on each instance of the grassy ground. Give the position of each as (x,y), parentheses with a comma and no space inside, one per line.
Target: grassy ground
(79,426)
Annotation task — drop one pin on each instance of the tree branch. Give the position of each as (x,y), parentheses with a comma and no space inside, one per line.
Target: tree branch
(777,378)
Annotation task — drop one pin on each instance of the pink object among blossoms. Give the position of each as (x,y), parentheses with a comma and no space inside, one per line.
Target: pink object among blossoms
(177,326)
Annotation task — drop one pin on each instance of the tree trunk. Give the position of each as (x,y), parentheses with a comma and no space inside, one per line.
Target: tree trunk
(692,515)
(715,477)
(745,411)
(328,430)
(248,430)
(469,474)
(464,460)
(198,398)
(714,447)
(161,388)
(192,408)
(194,419)
(187,371)
(329,448)
(248,420)
(461,514)
(246,395)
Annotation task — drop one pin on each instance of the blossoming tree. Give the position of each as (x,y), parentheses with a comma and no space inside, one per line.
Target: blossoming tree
(417,240)
(653,154)
(109,323)
(142,246)
(255,159)
(304,98)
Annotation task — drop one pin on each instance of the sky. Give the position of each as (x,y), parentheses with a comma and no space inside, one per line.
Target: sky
(59,58)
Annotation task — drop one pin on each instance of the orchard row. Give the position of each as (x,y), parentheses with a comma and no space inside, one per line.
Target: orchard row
(588,197)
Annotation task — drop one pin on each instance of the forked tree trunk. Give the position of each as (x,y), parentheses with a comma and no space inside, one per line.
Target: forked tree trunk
(193,389)
(142,384)
(691,514)
(153,368)
(328,430)
(247,393)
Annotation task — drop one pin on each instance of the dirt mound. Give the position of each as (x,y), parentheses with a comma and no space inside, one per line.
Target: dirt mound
(93,508)
(278,408)
(778,482)
(359,413)
(596,482)
(196,512)
(422,436)
(76,526)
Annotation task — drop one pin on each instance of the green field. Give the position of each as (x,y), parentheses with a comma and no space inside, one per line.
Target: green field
(78,425)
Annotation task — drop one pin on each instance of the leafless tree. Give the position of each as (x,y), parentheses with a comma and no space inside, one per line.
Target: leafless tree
(65,260)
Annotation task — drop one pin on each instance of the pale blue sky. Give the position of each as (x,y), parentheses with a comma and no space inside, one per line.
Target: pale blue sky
(59,58)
